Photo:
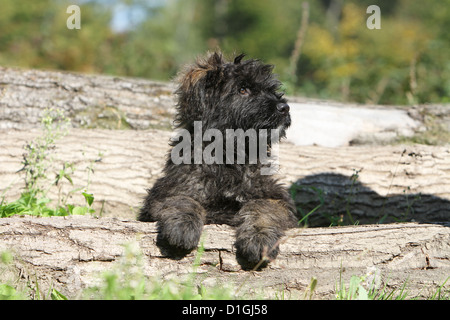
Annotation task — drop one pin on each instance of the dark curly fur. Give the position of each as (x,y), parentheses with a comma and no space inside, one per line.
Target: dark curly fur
(242,94)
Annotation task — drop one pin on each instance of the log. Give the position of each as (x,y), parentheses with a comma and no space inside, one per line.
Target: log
(90,101)
(395,183)
(70,253)
(111,102)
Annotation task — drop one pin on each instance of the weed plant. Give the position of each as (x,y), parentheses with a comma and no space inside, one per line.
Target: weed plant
(368,287)
(126,281)
(38,162)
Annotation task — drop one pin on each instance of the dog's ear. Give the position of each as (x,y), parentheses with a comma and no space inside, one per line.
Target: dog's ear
(192,83)
(216,60)
(239,58)
(194,73)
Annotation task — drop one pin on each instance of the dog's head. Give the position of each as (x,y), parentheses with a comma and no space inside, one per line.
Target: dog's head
(238,94)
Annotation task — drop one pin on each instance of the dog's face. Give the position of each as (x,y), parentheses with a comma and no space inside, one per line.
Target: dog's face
(232,95)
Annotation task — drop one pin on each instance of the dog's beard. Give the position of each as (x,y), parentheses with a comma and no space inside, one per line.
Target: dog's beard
(278,123)
(284,126)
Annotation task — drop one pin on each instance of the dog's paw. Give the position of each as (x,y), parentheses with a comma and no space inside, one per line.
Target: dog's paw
(255,251)
(179,234)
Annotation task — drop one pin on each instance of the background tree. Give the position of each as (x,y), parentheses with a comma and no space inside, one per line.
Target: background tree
(404,62)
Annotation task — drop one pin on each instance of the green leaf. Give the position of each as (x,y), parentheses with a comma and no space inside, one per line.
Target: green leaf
(42,201)
(362,293)
(89,198)
(68,178)
(6,257)
(70,208)
(79,210)
(56,295)
(62,211)
(7,292)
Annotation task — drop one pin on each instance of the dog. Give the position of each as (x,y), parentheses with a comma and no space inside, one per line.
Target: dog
(220,96)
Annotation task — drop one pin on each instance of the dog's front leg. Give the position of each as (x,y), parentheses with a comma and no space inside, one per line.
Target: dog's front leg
(180,224)
(261,224)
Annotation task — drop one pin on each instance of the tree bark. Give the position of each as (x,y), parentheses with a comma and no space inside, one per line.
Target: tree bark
(70,253)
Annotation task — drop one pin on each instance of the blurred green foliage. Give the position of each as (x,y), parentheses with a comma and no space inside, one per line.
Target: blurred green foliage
(404,62)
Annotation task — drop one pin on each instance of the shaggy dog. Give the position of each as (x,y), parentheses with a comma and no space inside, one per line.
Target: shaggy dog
(203,184)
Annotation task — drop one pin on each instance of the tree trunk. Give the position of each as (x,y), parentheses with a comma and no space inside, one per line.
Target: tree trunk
(70,253)
(394,183)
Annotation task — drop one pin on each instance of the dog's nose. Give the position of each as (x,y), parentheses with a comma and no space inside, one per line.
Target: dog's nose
(283,108)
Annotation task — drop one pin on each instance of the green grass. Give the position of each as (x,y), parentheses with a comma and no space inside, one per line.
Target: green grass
(369,287)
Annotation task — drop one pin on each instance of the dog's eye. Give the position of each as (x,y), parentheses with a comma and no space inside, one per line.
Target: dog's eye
(244,91)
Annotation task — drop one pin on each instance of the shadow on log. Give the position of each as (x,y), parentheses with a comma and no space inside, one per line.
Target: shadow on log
(343,200)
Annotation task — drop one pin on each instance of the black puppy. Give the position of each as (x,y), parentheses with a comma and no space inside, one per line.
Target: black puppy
(229,115)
